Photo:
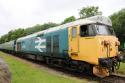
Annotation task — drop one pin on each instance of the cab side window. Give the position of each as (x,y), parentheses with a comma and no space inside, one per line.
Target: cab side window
(84,31)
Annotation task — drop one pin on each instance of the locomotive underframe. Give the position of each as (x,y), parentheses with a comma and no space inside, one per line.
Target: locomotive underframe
(106,65)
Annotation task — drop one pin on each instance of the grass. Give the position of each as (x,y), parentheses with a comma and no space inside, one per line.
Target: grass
(26,73)
(122,68)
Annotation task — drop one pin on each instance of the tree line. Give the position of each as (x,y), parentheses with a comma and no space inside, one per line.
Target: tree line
(118,21)
(14,34)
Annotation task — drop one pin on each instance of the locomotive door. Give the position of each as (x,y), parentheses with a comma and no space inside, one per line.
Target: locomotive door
(19,46)
(74,39)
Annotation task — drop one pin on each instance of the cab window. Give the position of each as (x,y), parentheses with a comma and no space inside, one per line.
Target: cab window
(86,30)
(104,30)
(74,32)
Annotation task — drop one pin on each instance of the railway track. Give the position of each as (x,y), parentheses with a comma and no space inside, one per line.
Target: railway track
(114,78)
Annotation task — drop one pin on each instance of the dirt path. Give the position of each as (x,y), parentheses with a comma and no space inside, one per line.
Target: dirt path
(5,75)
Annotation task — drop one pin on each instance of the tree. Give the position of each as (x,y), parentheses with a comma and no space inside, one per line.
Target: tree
(89,11)
(69,19)
(38,27)
(118,22)
(12,35)
(4,38)
(48,25)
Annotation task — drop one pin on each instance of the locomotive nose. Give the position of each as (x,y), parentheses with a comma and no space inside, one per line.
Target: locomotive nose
(109,47)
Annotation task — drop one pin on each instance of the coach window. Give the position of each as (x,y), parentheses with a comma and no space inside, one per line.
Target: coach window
(74,32)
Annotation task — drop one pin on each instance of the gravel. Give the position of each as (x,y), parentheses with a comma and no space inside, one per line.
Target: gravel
(5,75)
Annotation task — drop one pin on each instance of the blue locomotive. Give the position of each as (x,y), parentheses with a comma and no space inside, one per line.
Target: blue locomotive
(85,45)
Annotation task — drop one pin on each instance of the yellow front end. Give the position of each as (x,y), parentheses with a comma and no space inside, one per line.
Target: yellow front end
(93,48)
(90,49)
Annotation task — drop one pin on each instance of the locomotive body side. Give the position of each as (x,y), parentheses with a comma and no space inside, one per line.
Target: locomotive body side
(53,43)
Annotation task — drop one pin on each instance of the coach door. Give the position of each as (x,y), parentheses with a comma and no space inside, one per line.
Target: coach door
(74,40)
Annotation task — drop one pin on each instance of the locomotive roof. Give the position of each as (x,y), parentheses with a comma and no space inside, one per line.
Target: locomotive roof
(90,20)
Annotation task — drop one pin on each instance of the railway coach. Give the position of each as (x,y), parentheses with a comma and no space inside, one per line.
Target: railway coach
(8,46)
(85,45)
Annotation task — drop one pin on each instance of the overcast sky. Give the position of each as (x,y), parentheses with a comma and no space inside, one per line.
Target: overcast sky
(26,13)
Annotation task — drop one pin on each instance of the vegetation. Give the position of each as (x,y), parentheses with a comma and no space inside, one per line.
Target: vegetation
(14,34)
(122,68)
(89,11)
(27,73)
(69,19)
(38,27)
(118,21)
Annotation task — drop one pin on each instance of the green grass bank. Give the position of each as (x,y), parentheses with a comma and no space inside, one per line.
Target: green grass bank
(26,73)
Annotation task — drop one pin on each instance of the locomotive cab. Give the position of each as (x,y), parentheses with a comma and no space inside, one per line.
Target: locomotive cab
(95,43)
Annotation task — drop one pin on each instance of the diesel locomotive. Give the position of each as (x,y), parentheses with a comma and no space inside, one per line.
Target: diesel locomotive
(88,45)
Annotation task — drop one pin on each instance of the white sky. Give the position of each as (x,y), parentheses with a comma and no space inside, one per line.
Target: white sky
(26,13)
